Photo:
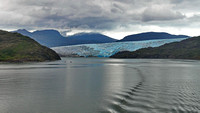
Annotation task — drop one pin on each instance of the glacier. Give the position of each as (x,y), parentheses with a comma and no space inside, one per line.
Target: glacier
(108,49)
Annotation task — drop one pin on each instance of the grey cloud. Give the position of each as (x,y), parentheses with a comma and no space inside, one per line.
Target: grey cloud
(92,14)
(159,13)
(186,5)
(92,23)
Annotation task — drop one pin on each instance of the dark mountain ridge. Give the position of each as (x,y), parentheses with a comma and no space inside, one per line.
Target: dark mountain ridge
(150,36)
(89,38)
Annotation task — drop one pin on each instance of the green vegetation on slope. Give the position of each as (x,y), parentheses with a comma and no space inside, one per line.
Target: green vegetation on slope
(15,47)
(186,49)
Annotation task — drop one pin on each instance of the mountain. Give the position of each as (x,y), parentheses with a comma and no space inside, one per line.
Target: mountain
(23,32)
(151,36)
(49,38)
(52,38)
(15,47)
(90,38)
(108,49)
(186,49)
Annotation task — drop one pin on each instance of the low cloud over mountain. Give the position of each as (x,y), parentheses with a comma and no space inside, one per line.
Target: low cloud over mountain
(102,15)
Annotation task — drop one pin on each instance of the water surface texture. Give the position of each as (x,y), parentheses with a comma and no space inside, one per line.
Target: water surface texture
(92,85)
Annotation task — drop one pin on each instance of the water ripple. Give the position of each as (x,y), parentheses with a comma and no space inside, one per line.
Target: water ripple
(145,98)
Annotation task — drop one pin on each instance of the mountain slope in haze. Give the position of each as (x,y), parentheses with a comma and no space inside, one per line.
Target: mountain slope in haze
(151,36)
(186,49)
(49,38)
(52,38)
(15,47)
(23,32)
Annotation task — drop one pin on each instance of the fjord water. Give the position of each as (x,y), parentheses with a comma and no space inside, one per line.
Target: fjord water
(93,85)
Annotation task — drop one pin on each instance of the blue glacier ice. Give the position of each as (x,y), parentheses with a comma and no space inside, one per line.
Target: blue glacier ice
(108,49)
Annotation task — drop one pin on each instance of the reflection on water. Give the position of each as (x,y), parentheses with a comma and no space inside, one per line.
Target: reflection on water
(92,85)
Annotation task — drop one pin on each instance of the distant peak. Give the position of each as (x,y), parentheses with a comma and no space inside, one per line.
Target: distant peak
(24,30)
(21,30)
(151,36)
(48,31)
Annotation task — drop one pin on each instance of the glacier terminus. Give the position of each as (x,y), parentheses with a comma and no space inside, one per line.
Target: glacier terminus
(108,49)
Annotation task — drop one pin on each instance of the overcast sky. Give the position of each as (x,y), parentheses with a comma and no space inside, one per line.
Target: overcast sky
(115,18)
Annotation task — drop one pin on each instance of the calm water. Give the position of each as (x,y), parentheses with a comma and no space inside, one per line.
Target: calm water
(92,85)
